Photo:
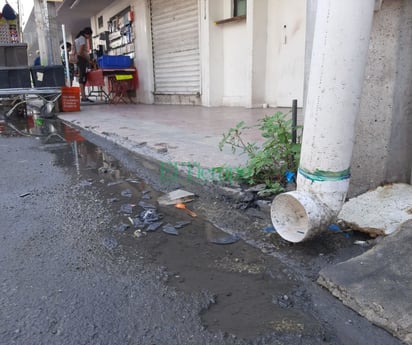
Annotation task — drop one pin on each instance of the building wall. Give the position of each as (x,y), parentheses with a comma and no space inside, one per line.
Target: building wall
(286,52)
(383,145)
(257,61)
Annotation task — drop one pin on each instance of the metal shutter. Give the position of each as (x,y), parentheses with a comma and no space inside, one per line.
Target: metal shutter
(175,36)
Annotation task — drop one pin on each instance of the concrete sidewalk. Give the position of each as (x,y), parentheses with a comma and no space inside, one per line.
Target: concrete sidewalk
(172,133)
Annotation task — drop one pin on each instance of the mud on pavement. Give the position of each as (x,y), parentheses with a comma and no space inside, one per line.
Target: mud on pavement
(257,288)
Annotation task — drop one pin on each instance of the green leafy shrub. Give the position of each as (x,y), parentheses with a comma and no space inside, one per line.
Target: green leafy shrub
(270,162)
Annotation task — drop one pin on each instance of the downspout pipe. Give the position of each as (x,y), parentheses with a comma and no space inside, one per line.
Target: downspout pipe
(339,55)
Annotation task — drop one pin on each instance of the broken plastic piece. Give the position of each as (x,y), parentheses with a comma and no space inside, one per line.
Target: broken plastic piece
(122,227)
(139,233)
(290,176)
(127,208)
(269,229)
(183,207)
(154,226)
(24,195)
(177,196)
(137,222)
(181,224)
(170,229)
(334,227)
(127,193)
(150,216)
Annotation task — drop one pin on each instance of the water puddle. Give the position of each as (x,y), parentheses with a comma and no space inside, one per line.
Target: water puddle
(253,294)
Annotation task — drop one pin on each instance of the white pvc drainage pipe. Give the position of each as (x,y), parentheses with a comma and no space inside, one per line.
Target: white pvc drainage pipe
(339,56)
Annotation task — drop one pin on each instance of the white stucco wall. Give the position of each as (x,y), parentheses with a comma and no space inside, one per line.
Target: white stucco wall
(236,78)
(285,52)
(249,58)
(243,63)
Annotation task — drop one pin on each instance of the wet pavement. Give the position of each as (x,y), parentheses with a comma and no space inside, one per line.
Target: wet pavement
(84,264)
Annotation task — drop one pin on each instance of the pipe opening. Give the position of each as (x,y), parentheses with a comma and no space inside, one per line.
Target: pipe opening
(289,218)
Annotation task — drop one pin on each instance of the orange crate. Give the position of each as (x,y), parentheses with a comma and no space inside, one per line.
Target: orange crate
(70,99)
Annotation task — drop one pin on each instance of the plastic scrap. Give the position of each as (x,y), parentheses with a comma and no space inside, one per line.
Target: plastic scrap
(137,222)
(24,195)
(150,216)
(170,229)
(183,207)
(334,227)
(290,176)
(122,227)
(181,224)
(146,195)
(154,226)
(127,208)
(139,233)
(114,183)
(269,229)
(362,243)
(177,196)
(127,193)
(110,243)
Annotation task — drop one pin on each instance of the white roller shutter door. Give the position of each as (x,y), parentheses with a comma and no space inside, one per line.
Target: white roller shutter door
(175,35)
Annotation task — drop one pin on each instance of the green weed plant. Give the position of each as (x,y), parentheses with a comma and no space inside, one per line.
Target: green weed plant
(269,163)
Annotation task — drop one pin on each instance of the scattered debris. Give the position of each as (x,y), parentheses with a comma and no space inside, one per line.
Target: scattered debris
(112,200)
(362,243)
(146,195)
(137,222)
(154,226)
(122,227)
(110,243)
(24,195)
(182,224)
(86,183)
(269,229)
(380,211)
(127,193)
(139,233)
(284,301)
(114,183)
(183,207)
(127,208)
(177,196)
(334,227)
(170,229)
(150,216)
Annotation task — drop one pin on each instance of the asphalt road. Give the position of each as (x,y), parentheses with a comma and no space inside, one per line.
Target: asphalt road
(68,275)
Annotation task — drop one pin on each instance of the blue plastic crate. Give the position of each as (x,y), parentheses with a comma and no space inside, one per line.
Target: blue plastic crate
(114,61)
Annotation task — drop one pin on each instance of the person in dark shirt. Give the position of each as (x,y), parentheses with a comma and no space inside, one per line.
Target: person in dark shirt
(37,61)
(83,59)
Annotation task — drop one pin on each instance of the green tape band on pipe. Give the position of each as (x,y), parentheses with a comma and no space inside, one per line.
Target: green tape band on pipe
(322,176)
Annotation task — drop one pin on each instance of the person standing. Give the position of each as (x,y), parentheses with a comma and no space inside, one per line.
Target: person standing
(83,58)
(37,61)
